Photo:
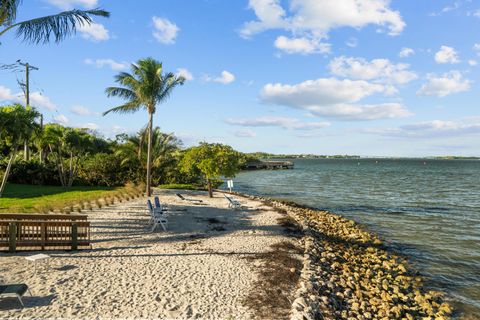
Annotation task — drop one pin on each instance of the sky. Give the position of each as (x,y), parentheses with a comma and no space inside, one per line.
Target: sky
(358,77)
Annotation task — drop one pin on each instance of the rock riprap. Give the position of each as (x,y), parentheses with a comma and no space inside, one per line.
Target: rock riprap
(348,274)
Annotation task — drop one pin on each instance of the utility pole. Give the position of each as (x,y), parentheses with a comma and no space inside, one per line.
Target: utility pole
(26,154)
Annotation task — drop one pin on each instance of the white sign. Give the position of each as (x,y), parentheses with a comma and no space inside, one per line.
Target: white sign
(230,184)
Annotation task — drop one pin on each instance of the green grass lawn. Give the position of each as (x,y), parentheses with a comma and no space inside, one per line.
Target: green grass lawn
(31,199)
(180,186)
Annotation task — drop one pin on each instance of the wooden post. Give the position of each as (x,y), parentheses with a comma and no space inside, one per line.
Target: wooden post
(74,236)
(43,231)
(12,243)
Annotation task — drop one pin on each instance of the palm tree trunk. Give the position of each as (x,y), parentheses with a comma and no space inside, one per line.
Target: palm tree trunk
(58,162)
(210,192)
(70,171)
(7,171)
(26,152)
(149,155)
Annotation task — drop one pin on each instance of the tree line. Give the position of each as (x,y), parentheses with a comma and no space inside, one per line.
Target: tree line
(74,156)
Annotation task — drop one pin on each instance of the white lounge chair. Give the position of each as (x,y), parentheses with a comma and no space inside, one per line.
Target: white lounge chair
(159,206)
(232,203)
(160,220)
(14,290)
(194,201)
(158,216)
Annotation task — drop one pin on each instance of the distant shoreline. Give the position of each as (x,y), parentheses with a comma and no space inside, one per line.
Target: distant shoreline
(309,157)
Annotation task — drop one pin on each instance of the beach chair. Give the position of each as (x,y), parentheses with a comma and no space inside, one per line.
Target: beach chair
(189,200)
(159,206)
(14,290)
(160,219)
(157,217)
(232,203)
(156,209)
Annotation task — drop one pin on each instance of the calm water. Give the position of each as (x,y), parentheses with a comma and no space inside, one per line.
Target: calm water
(429,210)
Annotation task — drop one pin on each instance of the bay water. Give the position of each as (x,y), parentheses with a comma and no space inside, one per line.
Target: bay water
(427,210)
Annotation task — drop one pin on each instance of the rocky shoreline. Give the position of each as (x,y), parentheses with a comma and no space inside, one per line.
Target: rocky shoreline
(348,274)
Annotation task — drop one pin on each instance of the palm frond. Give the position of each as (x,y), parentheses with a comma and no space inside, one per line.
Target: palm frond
(8,11)
(58,26)
(123,93)
(171,82)
(126,79)
(129,107)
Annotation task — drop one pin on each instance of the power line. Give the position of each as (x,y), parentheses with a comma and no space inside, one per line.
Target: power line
(28,67)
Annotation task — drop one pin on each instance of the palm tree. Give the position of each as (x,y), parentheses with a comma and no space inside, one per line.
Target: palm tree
(146,87)
(39,30)
(135,147)
(133,152)
(20,125)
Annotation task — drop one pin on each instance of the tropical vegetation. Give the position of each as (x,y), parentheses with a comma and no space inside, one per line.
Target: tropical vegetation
(17,125)
(68,158)
(146,87)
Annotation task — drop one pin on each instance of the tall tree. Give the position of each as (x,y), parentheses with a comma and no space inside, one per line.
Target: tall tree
(67,146)
(146,87)
(18,124)
(212,160)
(40,30)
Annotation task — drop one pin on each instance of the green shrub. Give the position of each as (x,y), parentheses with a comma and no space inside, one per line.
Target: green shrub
(102,169)
(32,172)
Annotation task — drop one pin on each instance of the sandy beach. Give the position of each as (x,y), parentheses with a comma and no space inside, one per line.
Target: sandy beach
(205,266)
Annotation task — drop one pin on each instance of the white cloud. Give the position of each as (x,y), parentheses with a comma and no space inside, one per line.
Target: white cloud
(61,119)
(406,52)
(445,84)
(270,15)
(283,122)
(39,100)
(182,72)
(301,45)
(449,8)
(472,62)
(94,31)
(90,126)
(446,55)
(71,4)
(355,112)
(5,94)
(81,111)
(476,47)
(323,91)
(334,98)
(313,19)
(225,78)
(352,42)
(165,30)
(378,69)
(246,133)
(36,98)
(431,129)
(114,65)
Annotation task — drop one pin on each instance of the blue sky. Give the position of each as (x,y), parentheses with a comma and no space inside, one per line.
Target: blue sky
(367,77)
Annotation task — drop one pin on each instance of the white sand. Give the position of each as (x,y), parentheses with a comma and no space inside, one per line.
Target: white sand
(190,271)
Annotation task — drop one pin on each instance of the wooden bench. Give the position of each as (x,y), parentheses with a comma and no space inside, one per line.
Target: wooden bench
(26,232)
